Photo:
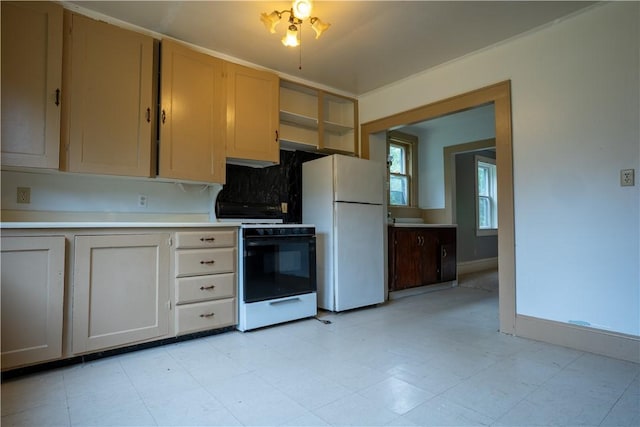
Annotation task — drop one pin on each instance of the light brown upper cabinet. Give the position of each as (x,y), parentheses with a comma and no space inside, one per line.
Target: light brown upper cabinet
(31,83)
(191,116)
(108,93)
(252,114)
(312,119)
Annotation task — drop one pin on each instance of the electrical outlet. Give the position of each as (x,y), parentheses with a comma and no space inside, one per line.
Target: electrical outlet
(23,195)
(627,177)
(142,201)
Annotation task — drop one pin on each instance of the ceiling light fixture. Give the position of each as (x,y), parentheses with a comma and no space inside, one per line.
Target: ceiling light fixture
(300,10)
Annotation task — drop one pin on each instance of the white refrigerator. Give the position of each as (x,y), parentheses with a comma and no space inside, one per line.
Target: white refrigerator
(344,198)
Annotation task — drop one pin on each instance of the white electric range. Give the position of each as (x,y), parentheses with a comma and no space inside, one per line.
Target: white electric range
(276,268)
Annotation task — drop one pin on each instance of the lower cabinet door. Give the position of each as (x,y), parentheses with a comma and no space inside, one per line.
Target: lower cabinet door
(202,316)
(120,290)
(32,299)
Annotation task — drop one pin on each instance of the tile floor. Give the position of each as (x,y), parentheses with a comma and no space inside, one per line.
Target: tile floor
(424,360)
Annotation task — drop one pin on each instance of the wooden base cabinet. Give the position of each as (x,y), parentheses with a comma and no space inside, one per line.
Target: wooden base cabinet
(120,290)
(68,292)
(32,299)
(205,284)
(421,256)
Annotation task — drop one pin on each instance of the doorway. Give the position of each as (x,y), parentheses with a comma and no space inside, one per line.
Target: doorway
(500,95)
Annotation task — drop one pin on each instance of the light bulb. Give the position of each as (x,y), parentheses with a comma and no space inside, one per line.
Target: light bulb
(302,9)
(290,39)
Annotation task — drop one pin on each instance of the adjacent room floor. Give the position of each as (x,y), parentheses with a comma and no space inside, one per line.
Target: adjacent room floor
(429,359)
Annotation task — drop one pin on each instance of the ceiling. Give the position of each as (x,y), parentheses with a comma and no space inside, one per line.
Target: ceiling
(370,43)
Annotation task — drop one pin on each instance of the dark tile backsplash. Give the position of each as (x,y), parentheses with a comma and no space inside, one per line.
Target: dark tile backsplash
(273,184)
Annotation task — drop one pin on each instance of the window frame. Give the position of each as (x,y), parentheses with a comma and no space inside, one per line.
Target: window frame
(479,161)
(410,145)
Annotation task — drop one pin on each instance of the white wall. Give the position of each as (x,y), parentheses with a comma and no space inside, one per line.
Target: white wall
(468,126)
(104,197)
(576,109)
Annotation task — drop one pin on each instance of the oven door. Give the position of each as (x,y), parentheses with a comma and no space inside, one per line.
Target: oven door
(278,266)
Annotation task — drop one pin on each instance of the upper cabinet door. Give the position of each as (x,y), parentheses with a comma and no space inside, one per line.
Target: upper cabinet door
(252,114)
(192,115)
(108,99)
(31,83)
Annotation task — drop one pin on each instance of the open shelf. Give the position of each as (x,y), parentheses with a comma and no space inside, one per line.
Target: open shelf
(314,119)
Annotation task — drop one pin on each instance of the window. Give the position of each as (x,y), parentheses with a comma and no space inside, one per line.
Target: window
(486,196)
(401,157)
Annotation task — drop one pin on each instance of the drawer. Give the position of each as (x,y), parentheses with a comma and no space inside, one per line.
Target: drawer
(203,288)
(206,239)
(201,316)
(263,313)
(196,262)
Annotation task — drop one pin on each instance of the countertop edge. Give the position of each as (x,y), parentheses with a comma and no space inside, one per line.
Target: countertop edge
(71,225)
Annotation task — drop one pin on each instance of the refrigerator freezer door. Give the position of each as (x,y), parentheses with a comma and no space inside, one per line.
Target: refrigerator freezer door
(358,180)
(358,255)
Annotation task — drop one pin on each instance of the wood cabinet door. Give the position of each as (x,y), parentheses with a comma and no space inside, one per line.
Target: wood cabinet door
(448,259)
(428,243)
(31,83)
(120,290)
(252,114)
(407,259)
(109,108)
(32,299)
(192,115)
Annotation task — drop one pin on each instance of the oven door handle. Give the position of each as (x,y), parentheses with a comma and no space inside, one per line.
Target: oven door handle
(266,240)
(284,301)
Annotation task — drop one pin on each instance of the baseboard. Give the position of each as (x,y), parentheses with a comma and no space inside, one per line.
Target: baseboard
(477,265)
(598,341)
(394,295)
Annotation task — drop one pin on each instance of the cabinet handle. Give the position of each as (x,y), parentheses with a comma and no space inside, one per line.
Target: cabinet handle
(444,253)
(207,288)
(207,239)
(57,97)
(163,116)
(207,315)
(207,262)
(148,115)
(277,136)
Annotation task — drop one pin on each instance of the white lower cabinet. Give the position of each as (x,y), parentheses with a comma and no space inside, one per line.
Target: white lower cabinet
(205,283)
(32,299)
(120,290)
(73,291)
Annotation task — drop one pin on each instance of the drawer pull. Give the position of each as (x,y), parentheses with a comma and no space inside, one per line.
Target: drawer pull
(207,288)
(204,316)
(207,239)
(210,262)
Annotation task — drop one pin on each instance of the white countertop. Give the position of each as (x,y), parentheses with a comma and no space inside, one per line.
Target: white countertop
(33,225)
